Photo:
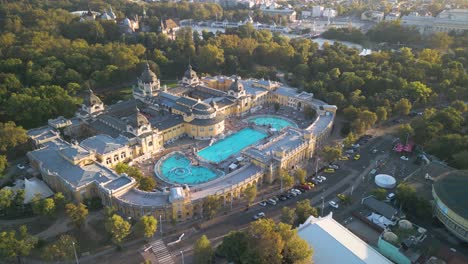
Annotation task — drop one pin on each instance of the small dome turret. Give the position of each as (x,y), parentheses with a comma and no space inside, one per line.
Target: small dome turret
(190,73)
(91,99)
(237,86)
(148,76)
(138,120)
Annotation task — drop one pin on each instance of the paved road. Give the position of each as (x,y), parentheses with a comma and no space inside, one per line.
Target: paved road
(354,174)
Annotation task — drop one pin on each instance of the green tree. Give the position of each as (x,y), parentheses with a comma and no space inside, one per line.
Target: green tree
(300,175)
(440,40)
(349,139)
(146,226)
(309,112)
(250,193)
(403,107)
(202,251)
(210,58)
(368,118)
(118,228)
(405,131)
(211,205)
(288,215)
(234,246)
(77,213)
(265,242)
(60,250)
(19,198)
(59,200)
(6,196)
(381,113)
(44,207)
(330,153)
(418,91)
(147,184)
(286,178)
(11,135)
(304,210)
(460,106)
(48,207)
(3,164)
(16,244)
(379,194)
(296,250)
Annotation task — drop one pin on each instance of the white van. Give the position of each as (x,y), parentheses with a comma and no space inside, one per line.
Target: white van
(390,196)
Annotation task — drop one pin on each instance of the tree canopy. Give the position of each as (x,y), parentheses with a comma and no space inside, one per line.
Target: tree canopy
(265,242)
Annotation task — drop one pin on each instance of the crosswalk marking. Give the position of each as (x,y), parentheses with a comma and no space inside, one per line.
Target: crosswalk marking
(161,252)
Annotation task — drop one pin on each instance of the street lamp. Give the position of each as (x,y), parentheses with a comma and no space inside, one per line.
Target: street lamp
(160,223)
(182,253)
(74,251)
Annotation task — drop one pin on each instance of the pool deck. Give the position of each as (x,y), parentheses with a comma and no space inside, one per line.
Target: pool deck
(229,181)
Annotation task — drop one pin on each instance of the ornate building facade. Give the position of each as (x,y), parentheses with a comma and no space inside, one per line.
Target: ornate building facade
(142,126)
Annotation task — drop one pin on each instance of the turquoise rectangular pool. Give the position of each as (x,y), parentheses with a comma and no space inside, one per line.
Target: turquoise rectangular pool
(231,145)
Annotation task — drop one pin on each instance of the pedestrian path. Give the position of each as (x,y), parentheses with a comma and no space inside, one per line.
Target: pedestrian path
(161,252)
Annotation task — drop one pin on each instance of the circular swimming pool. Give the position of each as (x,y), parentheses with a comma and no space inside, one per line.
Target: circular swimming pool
(275,122)
(176,168)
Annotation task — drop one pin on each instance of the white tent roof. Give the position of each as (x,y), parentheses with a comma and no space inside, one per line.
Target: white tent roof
(333,243)
(385,181)
(34,186)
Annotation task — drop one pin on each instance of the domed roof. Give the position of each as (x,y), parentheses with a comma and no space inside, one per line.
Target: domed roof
(202,108)
(390,236)
(236,86)
(190,73)
(138,119)
(91,99)
(448,191)
(148,76)
(405,224)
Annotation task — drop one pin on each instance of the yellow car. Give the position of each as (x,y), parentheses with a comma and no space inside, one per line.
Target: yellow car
(343,158)
(310,184)
(329,170)
(357,157)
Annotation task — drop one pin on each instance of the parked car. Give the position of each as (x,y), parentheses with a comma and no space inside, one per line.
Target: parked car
(355,145)
(357,157)
(316,180)
(391,196)
(306,187)
(275,198)
(404,158)
(262,203)
(271,201)
(283,197)
(349,151)
(374,151)
(333,204)
(329,170)
(343,158)
(296,191)
(310,184)
(20,166)
(259,216)
(291,195)
(323,178)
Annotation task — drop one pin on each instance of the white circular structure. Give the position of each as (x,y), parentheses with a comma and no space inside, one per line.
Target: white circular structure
(385,181)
